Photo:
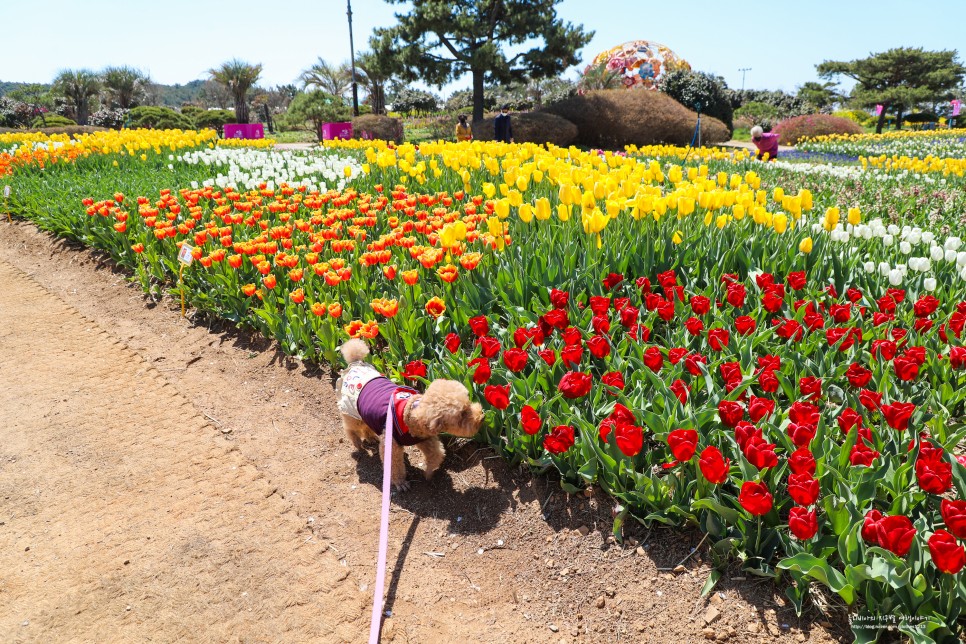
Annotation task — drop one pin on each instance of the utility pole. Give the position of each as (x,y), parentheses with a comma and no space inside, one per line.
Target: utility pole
(743,70)
(352,57)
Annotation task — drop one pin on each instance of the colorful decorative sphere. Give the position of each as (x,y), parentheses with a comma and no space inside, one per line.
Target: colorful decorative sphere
(639,63)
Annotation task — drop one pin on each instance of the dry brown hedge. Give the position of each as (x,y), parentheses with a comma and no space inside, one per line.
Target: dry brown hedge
(375,126)
(531,127)
(611,119)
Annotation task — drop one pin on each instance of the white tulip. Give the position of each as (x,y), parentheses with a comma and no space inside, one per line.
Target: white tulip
(893,229)
(905,247)
(887,240)
(884,269)
(950,256)
(869,267)
(929,284)
(952,243)
(928,237)
(895,277)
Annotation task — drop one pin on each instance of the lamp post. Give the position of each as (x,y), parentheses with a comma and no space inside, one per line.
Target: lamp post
(352,58)
(743,70)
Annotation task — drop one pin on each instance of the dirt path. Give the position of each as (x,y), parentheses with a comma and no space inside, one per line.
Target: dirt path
(123,515)
(130,435)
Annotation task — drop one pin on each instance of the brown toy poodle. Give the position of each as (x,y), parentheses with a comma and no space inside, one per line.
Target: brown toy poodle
(367,397)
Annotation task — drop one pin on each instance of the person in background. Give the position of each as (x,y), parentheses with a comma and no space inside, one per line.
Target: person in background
(463,131)
(503,130)
(766,142)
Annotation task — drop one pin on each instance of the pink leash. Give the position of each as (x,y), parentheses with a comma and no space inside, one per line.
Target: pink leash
(377,604)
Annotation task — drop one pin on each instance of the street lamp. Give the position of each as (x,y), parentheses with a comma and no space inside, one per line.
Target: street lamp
(352,57)
(743,70)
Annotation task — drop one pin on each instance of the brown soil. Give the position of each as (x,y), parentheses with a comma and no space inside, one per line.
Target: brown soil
(165,479)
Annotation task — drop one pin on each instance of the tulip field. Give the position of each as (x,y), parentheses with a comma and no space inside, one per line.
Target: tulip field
(772,352)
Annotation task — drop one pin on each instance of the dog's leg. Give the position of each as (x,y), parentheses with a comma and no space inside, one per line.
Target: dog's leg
(397,473)
(434,452)
(351,426)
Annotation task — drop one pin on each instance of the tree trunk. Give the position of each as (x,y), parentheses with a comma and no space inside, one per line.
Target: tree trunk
(82,112)
(899,118)
(881,122)
(241,109)
(477,94)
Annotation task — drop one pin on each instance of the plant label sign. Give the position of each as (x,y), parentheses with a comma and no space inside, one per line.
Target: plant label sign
(6,191)
(184,255)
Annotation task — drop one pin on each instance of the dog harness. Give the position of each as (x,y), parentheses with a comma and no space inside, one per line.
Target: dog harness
(366,395)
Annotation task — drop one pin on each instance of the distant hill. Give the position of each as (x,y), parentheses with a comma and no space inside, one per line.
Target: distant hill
(167,95)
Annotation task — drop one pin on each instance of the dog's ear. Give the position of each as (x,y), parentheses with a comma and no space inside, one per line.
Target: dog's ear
(471,418)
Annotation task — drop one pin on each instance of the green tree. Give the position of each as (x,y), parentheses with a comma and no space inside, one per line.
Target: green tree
(820,96)
(80,88)
(899,79)
(373,74)
(332,79)
(318,107)
(410,99)
(237,77)
(438,41)
(124,87)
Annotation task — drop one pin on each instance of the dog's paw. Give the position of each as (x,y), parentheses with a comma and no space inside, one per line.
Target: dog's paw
(398,488)
(428,474)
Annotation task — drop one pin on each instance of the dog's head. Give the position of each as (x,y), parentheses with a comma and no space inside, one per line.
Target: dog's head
(445,407)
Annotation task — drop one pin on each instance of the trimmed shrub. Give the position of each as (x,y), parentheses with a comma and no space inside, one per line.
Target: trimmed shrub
(212,119)
(113,119)
(70,130)
(692,89)
(614,118)
(158,118)
(859,116)
(794,130)
(529,127)
(373,126)
(51,120)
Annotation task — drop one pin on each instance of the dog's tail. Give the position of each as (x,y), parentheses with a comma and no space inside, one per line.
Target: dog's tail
(354,350)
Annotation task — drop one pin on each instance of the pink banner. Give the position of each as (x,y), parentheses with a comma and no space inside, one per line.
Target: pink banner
(878,110)
(336,131)
(244,131)
(956,105)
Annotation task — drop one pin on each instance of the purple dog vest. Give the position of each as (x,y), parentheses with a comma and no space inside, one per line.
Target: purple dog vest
(374,405)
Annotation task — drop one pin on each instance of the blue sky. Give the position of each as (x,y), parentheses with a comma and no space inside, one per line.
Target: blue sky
(780,41)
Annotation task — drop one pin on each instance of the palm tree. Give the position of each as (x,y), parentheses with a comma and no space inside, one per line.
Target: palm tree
(79,87)
(373,78)
(332,79)
(125,87)
(238,77)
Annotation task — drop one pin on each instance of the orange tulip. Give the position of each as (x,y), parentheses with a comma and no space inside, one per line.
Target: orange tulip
(269,281)
(335,310)
(318,309)
(298,296)
(248,290)
(448,273)
(410,277)
(435,307)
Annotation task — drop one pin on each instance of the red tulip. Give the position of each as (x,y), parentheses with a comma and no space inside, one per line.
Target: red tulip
(957,357)
(796,280)
(415,369)
(497,395)
(731,372)
(947,554)
(680,389)
(870,531)
(898,414)
(848,419)
(629,439)
(599,305)
(693,325)
(906,369)
(613,379)
(575,384)
(801,434)
(755,498)
(768,381)
(548,355)
(802,522)
(559,440)
(691,363)
(744,431)
(718,338)
(530,420)
(571,355)
(760,453)
(862,454)
(934,476)
(745,325)
(736,295)
(954,516)
(803,488)
(489,346)
(559,299)
(515,359)
(871,400)
(804,413)
(700,304)
(759,408)
(802,461)
(452,342)
(714,466)
(653,359)
(730,412)
(895,534)
(683,443)
(810,387)
(479,325)
(599,346)
(482,372)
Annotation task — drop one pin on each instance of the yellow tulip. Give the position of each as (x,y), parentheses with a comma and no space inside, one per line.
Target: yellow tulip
(685,206)
(515,198)
(588,201)
(504,190)
(721,221)
(542,210)
(779,222)
(564,195)
(495,228)
(831,219)
(502,208)
(806,196)
(678,237)
(778,194)
(522,183)
(563,211)
(525,211)
(806,245)
(489,190)
(366,168)
(613,208)
(738,212)
(855,216)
